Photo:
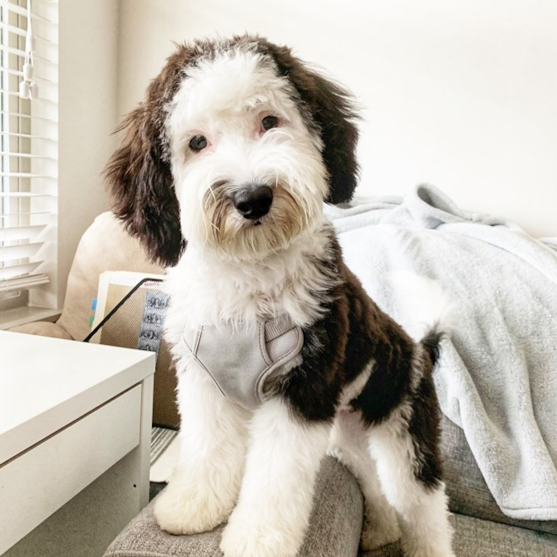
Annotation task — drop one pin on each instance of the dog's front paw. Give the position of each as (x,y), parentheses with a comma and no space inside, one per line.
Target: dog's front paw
(180,511)
(379,530)
(246,536)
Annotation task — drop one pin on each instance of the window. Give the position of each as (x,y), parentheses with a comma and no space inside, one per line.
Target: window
(28,152)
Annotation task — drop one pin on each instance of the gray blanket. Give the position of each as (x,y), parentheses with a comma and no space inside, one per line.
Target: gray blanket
(497,377)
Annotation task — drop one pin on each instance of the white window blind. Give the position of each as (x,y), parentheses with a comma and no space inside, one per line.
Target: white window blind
(28,143)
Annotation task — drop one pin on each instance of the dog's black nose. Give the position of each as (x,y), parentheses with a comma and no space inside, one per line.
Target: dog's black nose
(254,201)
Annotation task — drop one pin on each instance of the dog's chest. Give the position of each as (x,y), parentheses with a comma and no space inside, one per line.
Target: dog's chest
(243,324)
(244,359)
(205,292)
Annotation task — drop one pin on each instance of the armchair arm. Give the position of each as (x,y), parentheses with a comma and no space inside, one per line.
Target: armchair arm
(43,328)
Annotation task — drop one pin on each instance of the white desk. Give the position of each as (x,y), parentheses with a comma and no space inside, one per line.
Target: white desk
(75,426)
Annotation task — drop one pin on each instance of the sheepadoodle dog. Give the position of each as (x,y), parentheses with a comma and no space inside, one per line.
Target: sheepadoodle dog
(281,356)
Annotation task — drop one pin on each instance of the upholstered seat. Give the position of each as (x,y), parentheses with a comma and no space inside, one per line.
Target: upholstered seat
(481,529)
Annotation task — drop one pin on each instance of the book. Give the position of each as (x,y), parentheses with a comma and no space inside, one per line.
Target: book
(138,305)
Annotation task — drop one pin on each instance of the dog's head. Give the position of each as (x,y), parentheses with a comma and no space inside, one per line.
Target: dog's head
(237,145)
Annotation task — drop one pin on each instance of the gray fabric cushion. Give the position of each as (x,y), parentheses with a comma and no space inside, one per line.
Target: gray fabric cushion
(334,531)
(482,538)
(466,487)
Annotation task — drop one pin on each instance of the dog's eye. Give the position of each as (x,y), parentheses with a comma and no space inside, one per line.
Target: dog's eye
(198,143)
(269,122)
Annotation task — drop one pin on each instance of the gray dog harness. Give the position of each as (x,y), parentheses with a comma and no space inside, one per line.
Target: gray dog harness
(241,360)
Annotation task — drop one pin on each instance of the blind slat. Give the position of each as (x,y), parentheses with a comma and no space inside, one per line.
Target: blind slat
(20,232)
(21,54)
(11,29)
(26,156)
(19,73)
(27,116)
(18,270)
(22,33)
(23,194)
(19,214)
(23,12)
(23,283)
(12,253)
(28,136)
(16,95)
(26,175)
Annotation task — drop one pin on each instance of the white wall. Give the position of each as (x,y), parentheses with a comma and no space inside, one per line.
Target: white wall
(88,71)
(461,94)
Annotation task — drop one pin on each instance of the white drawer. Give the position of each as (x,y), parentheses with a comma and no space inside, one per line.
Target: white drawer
(39,481)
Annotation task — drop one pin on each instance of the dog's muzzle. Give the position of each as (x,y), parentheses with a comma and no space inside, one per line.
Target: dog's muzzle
(253,201)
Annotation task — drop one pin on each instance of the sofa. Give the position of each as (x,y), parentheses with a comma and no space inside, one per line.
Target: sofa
(481,529)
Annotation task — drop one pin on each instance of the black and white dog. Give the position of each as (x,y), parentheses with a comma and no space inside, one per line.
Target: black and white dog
(280,354)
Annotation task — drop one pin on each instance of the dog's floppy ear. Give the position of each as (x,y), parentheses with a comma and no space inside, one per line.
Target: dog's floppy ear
(141,185)
(331,109)
(139,175)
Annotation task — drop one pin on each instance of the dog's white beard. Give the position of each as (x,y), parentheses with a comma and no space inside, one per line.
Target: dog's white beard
(239,238)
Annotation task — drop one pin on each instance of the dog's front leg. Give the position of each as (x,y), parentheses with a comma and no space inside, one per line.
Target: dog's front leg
(206,481)
(275,502)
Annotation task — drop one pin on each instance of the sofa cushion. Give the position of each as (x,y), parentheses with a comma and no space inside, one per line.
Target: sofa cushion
(334,531)
(466,487)
(483,538)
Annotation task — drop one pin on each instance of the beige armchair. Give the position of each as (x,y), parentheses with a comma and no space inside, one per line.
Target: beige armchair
(105,246)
